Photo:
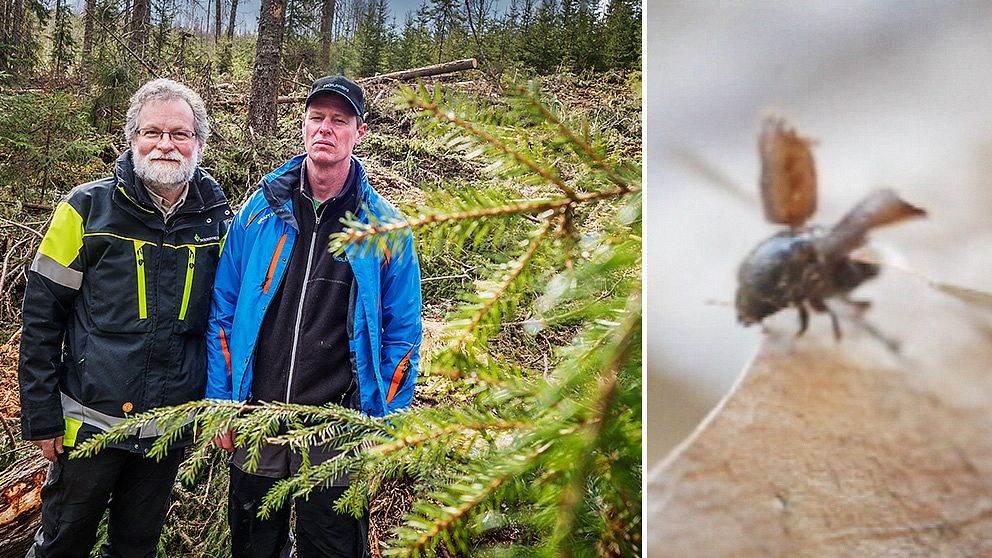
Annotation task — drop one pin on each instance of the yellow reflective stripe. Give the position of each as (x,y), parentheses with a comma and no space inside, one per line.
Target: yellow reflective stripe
(72,427)
(127,238)
(139,260)
(138,205)
(64,238)
(204,245)
(188,287)
(166,244)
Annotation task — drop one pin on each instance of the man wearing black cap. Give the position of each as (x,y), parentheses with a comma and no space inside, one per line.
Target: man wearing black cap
(293,322)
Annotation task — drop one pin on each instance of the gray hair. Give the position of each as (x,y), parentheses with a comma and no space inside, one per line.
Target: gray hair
(166,90)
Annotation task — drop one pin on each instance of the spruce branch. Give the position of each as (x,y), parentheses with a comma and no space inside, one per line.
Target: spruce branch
(408,441)
(491,298)
(357,234)
(579,144)
(572,495)
(432,521)
(434,108)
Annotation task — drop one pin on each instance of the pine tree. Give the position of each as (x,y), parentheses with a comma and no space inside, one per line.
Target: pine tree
(218,8)
(543,457)
(372,40)
(24,51)
(477,15)
(543,45)
(445,17)
(621,34)
(164,16)
(63,45)
(578,34)
(415,45)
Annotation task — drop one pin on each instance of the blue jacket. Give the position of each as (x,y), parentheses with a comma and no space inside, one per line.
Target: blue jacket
(385,333)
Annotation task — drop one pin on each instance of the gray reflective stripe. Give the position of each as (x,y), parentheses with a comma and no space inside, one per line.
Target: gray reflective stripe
(75,410)
(53,270)
(153,430)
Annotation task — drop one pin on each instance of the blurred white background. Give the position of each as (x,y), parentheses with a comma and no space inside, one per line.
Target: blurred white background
(897,93)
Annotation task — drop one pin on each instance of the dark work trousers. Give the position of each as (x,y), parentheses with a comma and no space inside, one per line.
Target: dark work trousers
(320,531)
(77,491)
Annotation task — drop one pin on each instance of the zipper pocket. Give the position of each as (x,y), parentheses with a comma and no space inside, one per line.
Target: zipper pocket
(139,261)
(188,286)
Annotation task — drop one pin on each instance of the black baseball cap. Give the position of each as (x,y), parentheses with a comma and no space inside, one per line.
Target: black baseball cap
(342,86)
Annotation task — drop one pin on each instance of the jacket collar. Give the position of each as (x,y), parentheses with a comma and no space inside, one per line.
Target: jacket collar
(278,186)
(204,192)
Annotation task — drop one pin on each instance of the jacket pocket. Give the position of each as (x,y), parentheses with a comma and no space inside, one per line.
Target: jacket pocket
(119,282)
(196,267)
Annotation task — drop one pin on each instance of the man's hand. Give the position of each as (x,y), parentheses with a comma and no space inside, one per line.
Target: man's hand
(226,441)
(50,447)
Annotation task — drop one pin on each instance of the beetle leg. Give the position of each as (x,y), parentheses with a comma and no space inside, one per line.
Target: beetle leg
(803,318)
(821,306)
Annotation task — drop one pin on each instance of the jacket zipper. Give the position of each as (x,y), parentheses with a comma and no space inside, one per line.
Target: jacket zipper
(303,298)
(282,277)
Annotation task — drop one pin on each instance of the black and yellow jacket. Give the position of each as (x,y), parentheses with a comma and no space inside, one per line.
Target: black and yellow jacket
(116,307)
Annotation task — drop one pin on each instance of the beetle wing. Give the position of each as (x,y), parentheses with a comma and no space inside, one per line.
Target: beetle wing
(788,175)
(883,207)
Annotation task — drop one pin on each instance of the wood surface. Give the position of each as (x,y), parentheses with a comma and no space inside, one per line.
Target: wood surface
(20,504)
(849,448)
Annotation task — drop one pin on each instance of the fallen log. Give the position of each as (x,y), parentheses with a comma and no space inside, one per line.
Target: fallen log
(404,75)
(20,504)
(435,70)
(848,448)
(28,205)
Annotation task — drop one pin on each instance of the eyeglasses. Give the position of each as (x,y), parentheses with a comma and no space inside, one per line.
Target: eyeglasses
(177,136)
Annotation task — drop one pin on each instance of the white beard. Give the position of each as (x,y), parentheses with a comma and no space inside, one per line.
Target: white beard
(159,176)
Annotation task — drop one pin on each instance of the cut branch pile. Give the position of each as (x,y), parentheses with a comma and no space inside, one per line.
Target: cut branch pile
(10,401)
(18,244)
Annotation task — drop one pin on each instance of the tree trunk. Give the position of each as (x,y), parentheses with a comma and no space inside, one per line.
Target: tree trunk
(57,46)
(87,54)
(17,27)
(476,23)
(262,109)
(6,13)
(230,22)
(326,23)
(217,16)
(20,504)
(139,28)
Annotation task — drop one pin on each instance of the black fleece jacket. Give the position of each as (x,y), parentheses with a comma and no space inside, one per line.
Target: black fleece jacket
(302,354)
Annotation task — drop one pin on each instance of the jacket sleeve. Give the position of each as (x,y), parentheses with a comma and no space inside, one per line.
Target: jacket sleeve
(401,322)
(227,284)
(53,281)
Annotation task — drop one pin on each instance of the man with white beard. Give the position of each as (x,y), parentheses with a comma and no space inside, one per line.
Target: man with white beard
(115,311)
